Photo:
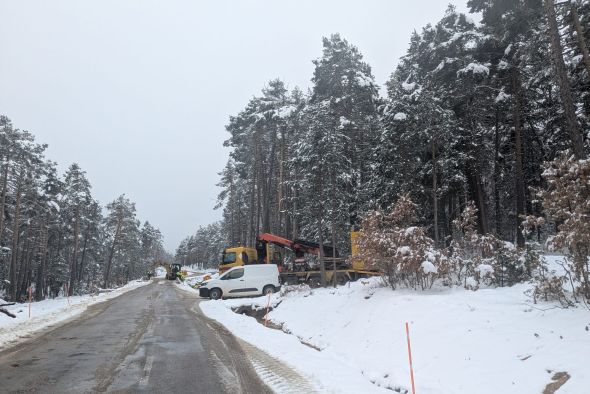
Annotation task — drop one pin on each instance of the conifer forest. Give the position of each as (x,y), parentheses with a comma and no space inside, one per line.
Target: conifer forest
(480,134)
(54,236)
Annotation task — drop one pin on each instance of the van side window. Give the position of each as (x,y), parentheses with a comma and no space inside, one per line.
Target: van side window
(235,274)
(245,258)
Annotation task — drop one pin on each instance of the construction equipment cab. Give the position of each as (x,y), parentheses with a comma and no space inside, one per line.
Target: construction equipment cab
(235,257)
(247,280)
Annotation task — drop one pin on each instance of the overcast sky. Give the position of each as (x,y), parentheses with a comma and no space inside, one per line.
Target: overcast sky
(138,92)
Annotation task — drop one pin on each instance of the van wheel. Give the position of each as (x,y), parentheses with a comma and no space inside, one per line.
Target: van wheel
(215,294)
(269,289)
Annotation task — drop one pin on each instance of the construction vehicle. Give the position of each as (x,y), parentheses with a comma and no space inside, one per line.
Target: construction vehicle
(298,260)
(173,271)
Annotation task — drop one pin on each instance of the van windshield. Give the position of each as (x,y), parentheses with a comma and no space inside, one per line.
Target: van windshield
(229,257)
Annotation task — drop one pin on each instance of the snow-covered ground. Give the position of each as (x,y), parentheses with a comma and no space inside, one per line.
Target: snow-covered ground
(48,313)
(486,341)
(200,277)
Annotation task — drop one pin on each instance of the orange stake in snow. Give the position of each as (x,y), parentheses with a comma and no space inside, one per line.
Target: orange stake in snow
(410,357)
(266,316)
(30,299)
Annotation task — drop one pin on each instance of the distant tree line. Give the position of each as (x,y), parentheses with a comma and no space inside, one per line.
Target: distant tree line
(54,235)
(204,247)
(474,119)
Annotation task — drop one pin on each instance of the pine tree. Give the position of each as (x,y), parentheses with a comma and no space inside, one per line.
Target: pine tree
(122,230)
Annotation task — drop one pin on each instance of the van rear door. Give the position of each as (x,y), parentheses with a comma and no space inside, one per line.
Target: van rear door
(252,276)
(260,275)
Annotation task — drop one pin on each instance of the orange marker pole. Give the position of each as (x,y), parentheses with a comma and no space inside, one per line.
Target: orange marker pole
(410,357)
(30,299)
(266,316)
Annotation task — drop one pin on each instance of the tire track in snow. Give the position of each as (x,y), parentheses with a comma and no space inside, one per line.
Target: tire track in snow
(278,376)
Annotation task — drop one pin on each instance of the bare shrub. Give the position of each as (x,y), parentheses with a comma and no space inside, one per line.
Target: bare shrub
(567,201)
(479,259)
(404,253)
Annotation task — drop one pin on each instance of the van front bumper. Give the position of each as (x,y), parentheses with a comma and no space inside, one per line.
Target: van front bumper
(203,292)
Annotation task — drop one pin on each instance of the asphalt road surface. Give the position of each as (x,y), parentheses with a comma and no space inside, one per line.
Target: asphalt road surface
(152,339)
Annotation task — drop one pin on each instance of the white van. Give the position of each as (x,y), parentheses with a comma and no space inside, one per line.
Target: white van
(246,280)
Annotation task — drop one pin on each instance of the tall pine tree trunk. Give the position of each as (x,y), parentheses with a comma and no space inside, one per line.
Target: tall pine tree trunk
(74,263)
(3,198)
(14,254)
(571,120)
(294,220)
(107,275)
(251,213)
(519,176)
(497,174)
(434,194)
(266,225)
(280,187)
(81,267)
(580,33)
(25,268)
(41,282)
(333,251)
(321,247)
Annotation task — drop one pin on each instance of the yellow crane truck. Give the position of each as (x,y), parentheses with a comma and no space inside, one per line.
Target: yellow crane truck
(298,260)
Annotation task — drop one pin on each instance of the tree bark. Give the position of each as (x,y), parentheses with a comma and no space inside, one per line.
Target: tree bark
(14,252)
(112,253)
(3,198)
(333,252)
(573,127)
(497,174)
(321,247)
(81,267)
(581,41)
(266,225)
(74,263)
(478,196)
(25,263)
(251,234)
(294,221)
(7,313)
(40,285)
(280,186)
(434,194)
(519,176)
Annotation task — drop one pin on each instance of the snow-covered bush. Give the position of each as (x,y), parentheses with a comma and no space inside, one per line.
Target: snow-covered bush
(479,259)
(404,253)
(550,287)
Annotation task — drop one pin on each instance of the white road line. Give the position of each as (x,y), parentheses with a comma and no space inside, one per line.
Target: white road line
(149,362)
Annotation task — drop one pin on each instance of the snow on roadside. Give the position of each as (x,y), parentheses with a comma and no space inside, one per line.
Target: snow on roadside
(325,371)
(488,341)
(48,313)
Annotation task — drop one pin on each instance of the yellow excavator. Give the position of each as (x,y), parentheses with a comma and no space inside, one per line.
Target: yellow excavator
(173,271)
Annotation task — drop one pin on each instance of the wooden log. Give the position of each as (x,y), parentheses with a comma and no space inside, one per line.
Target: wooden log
(7,313)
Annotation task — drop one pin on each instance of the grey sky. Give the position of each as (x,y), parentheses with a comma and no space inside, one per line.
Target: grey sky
(138,92)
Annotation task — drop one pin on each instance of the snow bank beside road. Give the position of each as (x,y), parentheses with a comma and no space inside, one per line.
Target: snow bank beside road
(488,341)
(47,313)
(324,371)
